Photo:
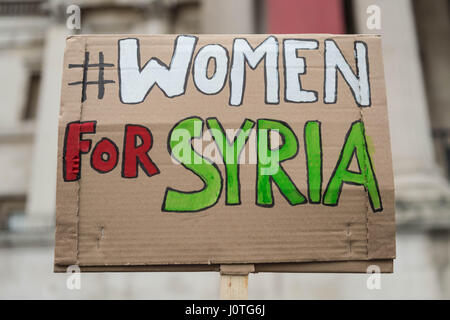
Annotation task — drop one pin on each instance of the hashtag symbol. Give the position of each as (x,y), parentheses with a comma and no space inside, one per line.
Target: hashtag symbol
(101,79)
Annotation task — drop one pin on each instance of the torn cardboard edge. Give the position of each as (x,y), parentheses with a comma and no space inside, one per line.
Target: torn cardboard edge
(385,266)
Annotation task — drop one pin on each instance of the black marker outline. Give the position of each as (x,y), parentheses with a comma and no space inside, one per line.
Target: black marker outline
(100,78)
(64,168)
(162,64)
(244,73)
(238,156)
(169,149)
(337,69)
(138,161)
(307,161)
(102,140)
(215,69)
(271,180)
(316,95)
(354,183)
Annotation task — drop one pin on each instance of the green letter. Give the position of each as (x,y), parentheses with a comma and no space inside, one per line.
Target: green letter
(180,201)
(355,143)
(313,149)
(230,154)
(269,167)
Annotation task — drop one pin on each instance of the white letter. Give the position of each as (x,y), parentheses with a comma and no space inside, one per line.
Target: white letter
(374,280)
(359,83)
(293,67)
(74,280)
(136,83)
(74,20)
(242,51)
(374,20)
(216,82)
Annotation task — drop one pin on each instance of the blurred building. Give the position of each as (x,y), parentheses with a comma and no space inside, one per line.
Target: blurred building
(416,44)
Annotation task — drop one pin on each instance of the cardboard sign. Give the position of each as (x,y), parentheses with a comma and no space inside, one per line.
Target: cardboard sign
(191,152)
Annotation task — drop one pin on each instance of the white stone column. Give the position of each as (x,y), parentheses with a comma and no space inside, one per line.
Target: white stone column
(230,16)
(417,177)
(13,90)
(154,25)
(40,207)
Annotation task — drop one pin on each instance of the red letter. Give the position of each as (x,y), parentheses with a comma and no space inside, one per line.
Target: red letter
(104,147)
(74,146)
(134,154)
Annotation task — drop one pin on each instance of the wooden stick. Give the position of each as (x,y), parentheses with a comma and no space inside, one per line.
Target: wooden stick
(233,287)
(234,281)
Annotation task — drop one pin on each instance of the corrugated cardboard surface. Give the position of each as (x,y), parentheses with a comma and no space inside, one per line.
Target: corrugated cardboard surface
(107,223)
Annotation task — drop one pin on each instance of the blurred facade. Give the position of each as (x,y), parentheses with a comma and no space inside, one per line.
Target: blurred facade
(416,44)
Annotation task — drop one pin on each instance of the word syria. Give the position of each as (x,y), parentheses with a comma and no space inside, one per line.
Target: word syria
(138,141)
(137,80)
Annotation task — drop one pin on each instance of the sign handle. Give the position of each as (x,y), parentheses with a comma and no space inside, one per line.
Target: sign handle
(233,287)
(234,281)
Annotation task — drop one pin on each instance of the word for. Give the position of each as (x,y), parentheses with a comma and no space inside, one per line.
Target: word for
(138,141)
(137,80)
(105,155)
